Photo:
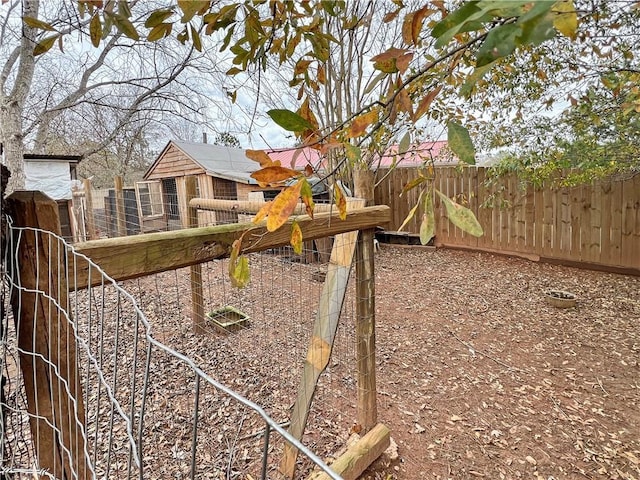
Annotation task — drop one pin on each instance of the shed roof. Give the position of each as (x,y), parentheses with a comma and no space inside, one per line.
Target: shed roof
(216,160)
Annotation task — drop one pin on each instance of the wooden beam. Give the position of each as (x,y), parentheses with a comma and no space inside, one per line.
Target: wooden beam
(136,256)
(197,297)
(250,206)
(48,357)
(360,455)
(324,331)
(120,211)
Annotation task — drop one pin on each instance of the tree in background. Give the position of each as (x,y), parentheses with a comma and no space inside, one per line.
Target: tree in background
(90,98)
(227,139)
(448,56)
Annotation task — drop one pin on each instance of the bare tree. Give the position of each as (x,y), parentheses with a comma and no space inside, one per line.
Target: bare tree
(91,96)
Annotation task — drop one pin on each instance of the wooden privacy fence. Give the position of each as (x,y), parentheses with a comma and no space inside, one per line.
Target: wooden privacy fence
(596,224)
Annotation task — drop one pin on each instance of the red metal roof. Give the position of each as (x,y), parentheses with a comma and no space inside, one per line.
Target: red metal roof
(298,158)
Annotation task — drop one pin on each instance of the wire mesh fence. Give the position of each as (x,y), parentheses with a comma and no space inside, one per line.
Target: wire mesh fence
(120,386)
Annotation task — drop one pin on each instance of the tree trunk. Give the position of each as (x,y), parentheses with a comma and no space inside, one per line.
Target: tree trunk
(13,144)
(13,97)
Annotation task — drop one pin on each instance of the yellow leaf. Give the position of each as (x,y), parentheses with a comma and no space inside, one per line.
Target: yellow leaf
(296,238)
(240,276)
(238,266)
(566,21)
(360,124)
(274,174)
(340,201)
(263,212)
(283,206)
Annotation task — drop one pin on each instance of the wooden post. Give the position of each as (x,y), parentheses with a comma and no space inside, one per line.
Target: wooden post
(197,298)
(120,212)
(360,455)
(367,410)
(45,338)
(88,203)
(324,331)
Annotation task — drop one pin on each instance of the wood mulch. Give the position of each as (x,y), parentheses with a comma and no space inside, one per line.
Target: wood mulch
(479,377)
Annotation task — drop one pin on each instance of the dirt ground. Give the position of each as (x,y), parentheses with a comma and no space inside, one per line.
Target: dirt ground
(479,377)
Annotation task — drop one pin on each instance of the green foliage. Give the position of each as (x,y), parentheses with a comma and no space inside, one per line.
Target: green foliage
(227,139)
(460,143)
(289,120)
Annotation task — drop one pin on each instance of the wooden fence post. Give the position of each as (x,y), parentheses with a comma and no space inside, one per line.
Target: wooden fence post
(197,298)
(120,212)
(364,181)
(45,338)
(88,203)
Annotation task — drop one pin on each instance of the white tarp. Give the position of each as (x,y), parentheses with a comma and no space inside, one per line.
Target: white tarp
(52,178)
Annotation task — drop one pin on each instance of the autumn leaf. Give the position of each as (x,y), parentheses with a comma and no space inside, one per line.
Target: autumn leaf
(566,21)
(157,17)
(393,60)
(460,216)
(460,143)
(301,66)
(353,153)
(340,201)
(238,266)
(261,157)
(428,224)
(425,103)
(44,45)
(296,238)
(37,23)
(360,124)
(263,212)
(412,212)
(306,193)
(417,21)
(283,206)
(412,184)
(95,30)
(403,102)
(274,174)
(124,25)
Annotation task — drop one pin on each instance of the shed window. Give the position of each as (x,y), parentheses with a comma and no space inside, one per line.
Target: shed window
(171,198)
(150,198)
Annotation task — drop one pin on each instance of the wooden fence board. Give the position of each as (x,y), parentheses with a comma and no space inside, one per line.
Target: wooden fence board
(598,223)
(630,233)
(574,253)
(585,223)
(615,253)
(529,219)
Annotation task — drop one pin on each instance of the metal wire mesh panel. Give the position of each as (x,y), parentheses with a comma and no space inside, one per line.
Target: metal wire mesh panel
(102,390)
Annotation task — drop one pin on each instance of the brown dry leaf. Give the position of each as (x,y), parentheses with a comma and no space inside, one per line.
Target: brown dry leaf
(261,157)
(360,124)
